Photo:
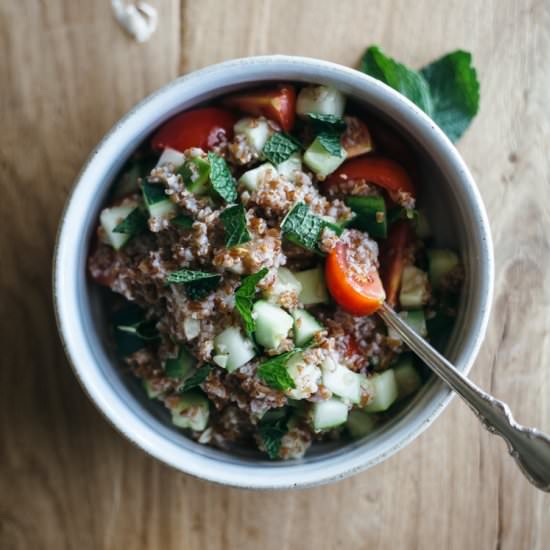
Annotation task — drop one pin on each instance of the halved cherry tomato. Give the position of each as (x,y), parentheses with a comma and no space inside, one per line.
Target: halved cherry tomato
(204,128)
(278,104)
(393,256)
(358,293)
(378,170)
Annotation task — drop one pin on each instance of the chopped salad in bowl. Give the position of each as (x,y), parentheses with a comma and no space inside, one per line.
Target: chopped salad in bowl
(248,244)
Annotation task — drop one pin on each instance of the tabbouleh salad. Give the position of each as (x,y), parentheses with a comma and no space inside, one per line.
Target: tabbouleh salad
(248,245)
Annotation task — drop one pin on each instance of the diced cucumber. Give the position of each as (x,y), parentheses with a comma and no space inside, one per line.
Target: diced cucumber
(238,349)
(324,100)
(305,326)
(195,173)
(158,204)
(320,161)
(314,289)
(171,156)
(329,414)
(110,218)
(341,381)
(285,281)
(152,391)
(191,411)
(360,423)
(251,178)
(416,319)
(181,366)
(422,225)
(290,166)
(407,377)
(306,377)
(442,262)
(370,216)
(415,290)
(191,328)
(255,130)
(272,324)
(385,391)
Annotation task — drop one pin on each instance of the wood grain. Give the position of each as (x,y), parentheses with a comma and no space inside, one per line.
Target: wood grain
(67,480)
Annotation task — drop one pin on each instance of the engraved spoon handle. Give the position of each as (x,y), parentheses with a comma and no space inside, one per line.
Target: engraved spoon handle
(529,447)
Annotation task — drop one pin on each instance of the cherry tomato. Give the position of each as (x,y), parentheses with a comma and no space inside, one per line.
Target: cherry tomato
(378,170)
(278,104)
(358,293)
(393,257)
(203,128)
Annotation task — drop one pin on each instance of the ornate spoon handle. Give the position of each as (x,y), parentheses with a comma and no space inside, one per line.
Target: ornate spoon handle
(529,447)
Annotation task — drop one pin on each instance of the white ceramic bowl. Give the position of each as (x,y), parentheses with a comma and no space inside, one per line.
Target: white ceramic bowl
(456,211)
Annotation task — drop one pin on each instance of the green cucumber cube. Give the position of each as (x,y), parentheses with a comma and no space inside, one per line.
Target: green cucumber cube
(314,289)
(329,414)
(272,324)
(385,391)
(110,218)
(171,156)
(256,131)
(360,423)
(195,173)
(416,319)
(407,377)
(341,381)
(441,262)
(236,348)
(305,326)
(324,100)
(290,166)
(251,178)
(191,411)
(415,289)
(320,161)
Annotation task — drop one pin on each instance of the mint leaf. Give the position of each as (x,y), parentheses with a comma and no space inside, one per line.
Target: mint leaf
(447,89)
(331,142)
(455,92)
(274,373)
(279,147)
(302,227)
(324,123)
(222,180)
(153,193)
(133,224)
(234,224)
(406,81)
(198,284)
(272,432)
(244,298)
(183,221)
(196,379)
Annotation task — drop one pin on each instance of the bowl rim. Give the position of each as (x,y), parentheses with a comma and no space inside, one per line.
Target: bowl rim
(294,474)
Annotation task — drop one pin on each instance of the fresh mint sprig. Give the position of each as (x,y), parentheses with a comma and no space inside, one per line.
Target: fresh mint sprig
(222,180)
(133,224)
(302,227)
(234,224)
(198,284)
(323,123)
(196,379)
(274,372)
(279,147)
(447,89)
(244,298)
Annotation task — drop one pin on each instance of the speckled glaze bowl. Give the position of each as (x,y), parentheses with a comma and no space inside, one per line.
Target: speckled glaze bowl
(453,204)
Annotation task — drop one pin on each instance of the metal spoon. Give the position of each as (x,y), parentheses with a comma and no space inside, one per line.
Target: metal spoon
(529,447)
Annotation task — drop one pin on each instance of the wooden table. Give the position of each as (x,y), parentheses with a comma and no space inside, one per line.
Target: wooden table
(67,479)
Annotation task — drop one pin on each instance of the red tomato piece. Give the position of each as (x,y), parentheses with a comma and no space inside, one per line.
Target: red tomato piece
(393,258)
(278,104)
(357,292)
(204,128)
(378,170)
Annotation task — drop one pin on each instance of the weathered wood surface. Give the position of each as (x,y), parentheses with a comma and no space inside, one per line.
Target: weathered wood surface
(67,480)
